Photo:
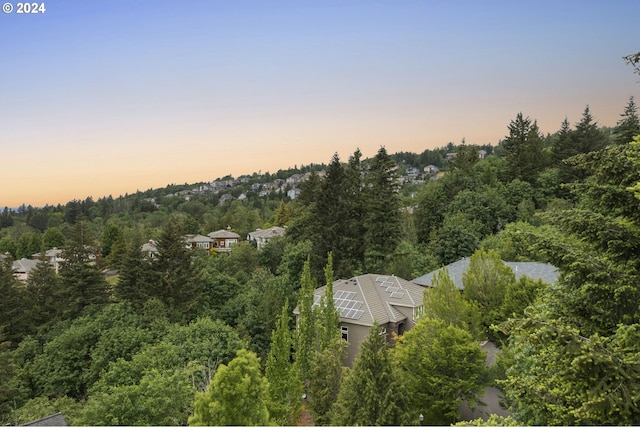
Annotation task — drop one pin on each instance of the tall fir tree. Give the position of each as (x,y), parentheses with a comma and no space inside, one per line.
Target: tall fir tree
(524,149)
(175,282)
(371,394)
(285,386)
(82,283)
(629,125)
(305,343)
(382,220)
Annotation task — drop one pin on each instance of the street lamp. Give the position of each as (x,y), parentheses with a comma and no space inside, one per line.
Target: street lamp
(421,418)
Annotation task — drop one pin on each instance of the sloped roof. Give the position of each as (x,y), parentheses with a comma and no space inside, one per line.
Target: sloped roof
(150,246)
(51,420)
(370,298)
(534,270)
(223,234)
(198,238)
(24,265)
(267,233)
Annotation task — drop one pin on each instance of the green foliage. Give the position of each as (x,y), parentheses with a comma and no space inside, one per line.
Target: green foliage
(28,244)
(371,394)
(306,332)
(382,215)
(523,149)
(457,238)
(83,284)
(485,283)
(629,124)
(237,395)
(7,245)
(444,302)
(326,377)
(440,366)
(160,398)
(285,388)
(41,407)
(53,238)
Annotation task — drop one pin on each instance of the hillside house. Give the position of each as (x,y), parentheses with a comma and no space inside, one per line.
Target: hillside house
(391,302)
(224,239)
(262,237)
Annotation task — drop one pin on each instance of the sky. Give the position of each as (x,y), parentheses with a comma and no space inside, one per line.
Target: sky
(108,97)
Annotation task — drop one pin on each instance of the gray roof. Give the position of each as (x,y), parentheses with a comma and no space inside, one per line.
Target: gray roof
(534,270)
(24,265)
(198,238)
(51,420)
(370,298)
(223,234)
(267,233)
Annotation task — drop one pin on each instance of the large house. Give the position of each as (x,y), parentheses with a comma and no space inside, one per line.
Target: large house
(262,237)
(223,239)
(198,241)
(391,302)
(534,270)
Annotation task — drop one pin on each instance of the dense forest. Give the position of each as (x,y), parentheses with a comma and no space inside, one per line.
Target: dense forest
(209,338)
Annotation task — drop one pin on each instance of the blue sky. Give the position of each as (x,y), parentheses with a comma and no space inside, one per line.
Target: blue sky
(107,97)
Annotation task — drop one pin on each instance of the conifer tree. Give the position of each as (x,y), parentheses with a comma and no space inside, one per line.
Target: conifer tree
(524,149)
(371,393)
(629,125)
(285,386)
(43,293)
(327,372)
(305,343)
(328,325)
(82,283)
(174,282)
(382,219)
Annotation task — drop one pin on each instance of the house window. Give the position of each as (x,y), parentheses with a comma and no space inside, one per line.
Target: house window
(345,333)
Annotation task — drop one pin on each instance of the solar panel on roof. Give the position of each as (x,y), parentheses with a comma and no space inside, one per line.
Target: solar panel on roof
(397,294)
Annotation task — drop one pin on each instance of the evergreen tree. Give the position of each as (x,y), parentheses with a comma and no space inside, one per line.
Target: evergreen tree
(327,372)
(524,149)
(371,394)
(306,332)
(629,125)
(574,354)
(382,219)
(82,283)
(284,385)
(43,295)
(329,319)
(136,278)
(12,310)
(175,282)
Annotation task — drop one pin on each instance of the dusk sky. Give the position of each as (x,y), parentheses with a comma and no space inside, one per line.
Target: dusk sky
(108,97)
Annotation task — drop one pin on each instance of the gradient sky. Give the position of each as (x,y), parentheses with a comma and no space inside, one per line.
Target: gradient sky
(113,96)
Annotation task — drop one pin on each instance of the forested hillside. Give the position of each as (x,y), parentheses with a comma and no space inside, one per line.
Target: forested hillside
(209,338)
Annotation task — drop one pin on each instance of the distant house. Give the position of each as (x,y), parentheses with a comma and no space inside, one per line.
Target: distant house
(294,193)
(198,241)
(431,170)
(150,249)
(224,239)
(225,198)
(52,256)
(391,302)
(262,237)
(22,268)
(482,154)
(534,270)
